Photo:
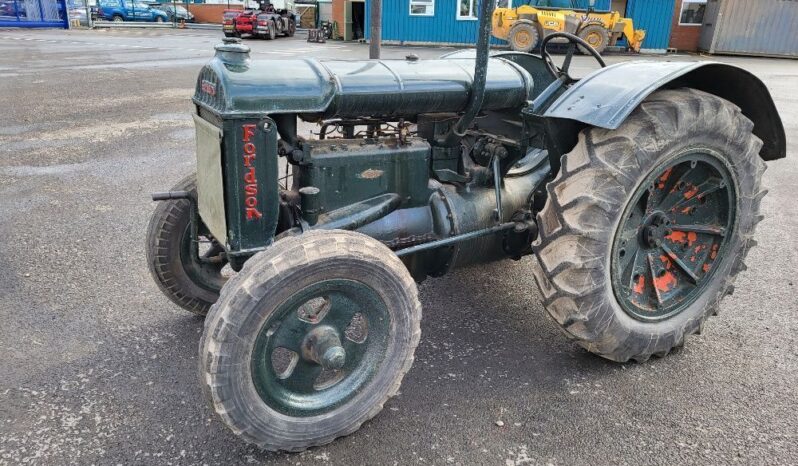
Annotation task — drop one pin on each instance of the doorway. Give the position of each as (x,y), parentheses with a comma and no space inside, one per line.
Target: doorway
(355,11)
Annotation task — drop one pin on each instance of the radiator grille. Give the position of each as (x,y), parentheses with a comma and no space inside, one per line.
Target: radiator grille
(208,91)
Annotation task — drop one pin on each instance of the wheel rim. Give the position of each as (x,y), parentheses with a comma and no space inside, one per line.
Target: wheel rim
(206,275)
(676,227)
(319,347)
(522,38)
(594,39)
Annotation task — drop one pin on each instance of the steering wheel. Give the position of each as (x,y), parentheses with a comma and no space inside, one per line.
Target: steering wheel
(573,41)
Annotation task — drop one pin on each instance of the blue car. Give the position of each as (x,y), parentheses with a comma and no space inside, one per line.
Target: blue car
(125,10)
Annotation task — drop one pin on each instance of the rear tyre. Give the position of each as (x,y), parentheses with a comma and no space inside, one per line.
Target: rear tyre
(597,36)
(117,19)
(523,37)
(191,284)
(646,227)
(310,339)
(158,19)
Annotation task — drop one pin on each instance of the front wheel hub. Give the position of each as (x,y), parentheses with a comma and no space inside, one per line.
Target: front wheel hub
(322,345)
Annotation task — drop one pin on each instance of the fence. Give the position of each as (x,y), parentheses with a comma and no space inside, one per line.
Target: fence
(34,13)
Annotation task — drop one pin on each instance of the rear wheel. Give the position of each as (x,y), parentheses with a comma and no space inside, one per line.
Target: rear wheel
(158,19)
(647,226)
(523,37)
(597,36)
(310,339)
(117,19)
(182,276)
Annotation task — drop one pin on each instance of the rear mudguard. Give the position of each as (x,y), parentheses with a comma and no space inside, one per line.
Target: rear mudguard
(606,97)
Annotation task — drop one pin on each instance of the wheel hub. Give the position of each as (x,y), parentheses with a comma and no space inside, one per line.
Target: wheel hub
(319,347)
(654,230)
(674,228)
(322,345)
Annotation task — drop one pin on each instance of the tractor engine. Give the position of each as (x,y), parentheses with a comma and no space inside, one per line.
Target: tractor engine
(384,158)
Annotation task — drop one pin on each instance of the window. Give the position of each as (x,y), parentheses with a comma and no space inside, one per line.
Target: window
(692,13)
(422,7)
(468,8)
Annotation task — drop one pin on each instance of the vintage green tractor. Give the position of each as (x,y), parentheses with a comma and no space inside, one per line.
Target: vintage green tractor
(638,199)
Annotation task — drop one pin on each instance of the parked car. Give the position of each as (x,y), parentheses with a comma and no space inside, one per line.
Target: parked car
(178,13)
(126,10)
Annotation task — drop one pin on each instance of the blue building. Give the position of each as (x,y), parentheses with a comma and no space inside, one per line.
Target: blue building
(454,22)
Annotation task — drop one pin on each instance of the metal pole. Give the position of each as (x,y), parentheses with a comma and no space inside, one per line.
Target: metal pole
(376,29)
(455,239)
(89,22)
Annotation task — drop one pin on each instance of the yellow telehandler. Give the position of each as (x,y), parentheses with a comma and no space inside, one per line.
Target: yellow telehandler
(526,25)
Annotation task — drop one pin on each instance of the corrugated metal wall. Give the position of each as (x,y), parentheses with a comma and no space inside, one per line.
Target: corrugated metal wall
(443,27)
(751,27)
(655,17)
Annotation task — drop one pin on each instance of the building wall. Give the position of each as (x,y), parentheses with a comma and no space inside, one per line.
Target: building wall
(398,26)
(209,13)
(442,28)
(338,16)
(683,37)
(654,16)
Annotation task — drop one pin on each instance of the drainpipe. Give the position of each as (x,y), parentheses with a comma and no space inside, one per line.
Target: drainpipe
(375,41)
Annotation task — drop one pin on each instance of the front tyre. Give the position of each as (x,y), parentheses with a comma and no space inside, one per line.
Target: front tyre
(646,227)
(523,37)
(190,282)
(310,339)
(597,36)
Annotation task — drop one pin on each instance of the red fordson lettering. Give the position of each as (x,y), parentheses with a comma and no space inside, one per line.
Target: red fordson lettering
(250,177)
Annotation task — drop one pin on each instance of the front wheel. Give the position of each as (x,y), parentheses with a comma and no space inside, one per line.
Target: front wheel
(191,278)
(310,339)
(158,19)
(597,36)
(291,28)
(646,227)
(523,37)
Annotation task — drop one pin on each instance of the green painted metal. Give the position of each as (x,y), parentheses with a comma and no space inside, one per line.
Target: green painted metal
(308,329)
(250,182)
(674,233)
(350,171)
(347,88)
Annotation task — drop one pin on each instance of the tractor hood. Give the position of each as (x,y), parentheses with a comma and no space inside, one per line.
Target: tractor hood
(233,84)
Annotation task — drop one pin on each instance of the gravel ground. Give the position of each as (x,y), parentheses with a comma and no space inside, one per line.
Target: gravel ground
(99,367)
